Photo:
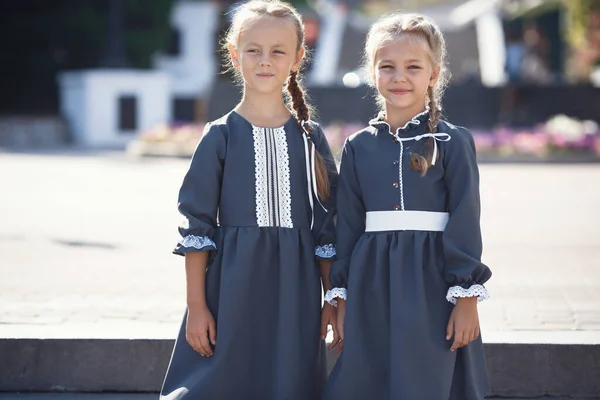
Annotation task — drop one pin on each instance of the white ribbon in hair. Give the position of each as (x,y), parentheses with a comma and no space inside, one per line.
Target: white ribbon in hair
(442,137)
(311,176)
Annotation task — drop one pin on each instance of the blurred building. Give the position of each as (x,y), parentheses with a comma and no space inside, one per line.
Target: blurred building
(112,65)
(489,41)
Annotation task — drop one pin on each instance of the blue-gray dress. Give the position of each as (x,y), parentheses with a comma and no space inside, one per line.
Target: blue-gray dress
(245,198)
(401,283)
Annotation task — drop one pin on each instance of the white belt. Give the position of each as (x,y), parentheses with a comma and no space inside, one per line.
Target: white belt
(378,221)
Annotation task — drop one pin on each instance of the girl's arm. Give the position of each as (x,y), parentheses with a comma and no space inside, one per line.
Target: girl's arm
(462,243)
(198,203)
(350,224)
(464,272)
(324,228)
(349,228)
(199,194)
(325,266)
(200,326)
(324,232)
(328,314)
(195,274)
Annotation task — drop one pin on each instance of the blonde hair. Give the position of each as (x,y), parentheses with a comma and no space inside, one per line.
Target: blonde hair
(423,32)
(296,94)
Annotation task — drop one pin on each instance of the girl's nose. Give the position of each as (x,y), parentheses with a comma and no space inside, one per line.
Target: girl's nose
(399,77)
(265,60)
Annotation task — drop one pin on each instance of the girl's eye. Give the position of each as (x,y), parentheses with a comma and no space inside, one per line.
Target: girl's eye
(253,51)
(387,66)
(414,67)
(278,52)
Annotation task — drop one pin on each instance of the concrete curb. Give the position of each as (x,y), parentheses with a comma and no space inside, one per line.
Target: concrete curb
(138,365)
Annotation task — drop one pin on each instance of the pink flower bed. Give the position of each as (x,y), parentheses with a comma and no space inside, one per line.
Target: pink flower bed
(559,135)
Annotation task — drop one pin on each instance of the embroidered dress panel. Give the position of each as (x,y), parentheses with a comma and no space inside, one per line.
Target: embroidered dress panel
(272,175)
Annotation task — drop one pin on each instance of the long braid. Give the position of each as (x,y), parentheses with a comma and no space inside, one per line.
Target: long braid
(297,98)
(303,114)
(432,123)
(434,112)
(417,161)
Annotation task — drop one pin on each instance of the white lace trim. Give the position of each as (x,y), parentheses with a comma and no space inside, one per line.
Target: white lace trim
(272,177)
(478,291)
(260,175)
(283,175)
(333,294)
(197,242)
(325,251)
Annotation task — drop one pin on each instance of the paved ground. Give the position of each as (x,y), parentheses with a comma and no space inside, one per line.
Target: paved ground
(85,243)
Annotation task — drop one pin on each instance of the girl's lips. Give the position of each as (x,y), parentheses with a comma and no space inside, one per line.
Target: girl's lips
(265,75)
(400,91)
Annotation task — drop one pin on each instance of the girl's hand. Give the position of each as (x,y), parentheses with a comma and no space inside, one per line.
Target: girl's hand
(341,316)
(463,323)
(200,327)
(329,317)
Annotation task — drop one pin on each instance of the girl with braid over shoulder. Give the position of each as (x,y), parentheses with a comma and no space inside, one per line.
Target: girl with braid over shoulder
(258,202)
(408,273)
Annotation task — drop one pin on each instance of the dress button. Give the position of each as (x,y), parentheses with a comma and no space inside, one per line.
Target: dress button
(396,162)
(396,207)
(395,185)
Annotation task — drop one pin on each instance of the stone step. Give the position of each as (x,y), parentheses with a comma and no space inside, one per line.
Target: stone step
(138,365)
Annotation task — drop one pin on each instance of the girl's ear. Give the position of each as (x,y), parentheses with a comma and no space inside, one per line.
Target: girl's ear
(234,55)
(435,74)
(299,56)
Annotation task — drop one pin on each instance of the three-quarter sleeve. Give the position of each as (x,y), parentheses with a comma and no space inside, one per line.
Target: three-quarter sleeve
(323,227)
(350,224)
(200,193)
(464,272)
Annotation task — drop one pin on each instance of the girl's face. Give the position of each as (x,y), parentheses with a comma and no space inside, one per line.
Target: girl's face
(402,73)
(266,53)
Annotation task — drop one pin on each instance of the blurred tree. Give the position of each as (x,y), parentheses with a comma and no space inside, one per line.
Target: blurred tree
(577,21)
(584,55)
(147,29)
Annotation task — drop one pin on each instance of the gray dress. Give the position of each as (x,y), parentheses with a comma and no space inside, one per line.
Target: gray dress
(400,283)
(245,198)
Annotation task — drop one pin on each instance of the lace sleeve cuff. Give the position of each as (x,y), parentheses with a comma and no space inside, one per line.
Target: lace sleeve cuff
(192,243)
(326,251)
(478,291)
(333,294)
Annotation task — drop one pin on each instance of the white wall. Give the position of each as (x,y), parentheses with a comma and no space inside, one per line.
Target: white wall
(90,100)
(194,71)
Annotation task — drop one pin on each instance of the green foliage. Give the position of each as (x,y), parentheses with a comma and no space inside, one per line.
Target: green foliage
(577,20)
(40,38)
(147,29)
